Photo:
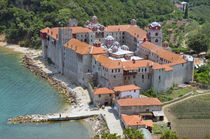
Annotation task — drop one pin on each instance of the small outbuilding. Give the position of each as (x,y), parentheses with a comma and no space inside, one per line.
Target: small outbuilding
(135,121)
(140,106)
(102,96)
(127,91)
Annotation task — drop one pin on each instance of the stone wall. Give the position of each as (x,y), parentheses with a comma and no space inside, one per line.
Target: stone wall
(136,110)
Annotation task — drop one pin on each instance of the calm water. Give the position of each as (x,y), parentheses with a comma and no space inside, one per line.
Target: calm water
(21,93)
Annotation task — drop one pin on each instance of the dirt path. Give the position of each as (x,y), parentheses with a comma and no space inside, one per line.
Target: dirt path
(181,100)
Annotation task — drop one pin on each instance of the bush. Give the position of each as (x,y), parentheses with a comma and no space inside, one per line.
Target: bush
(23,44)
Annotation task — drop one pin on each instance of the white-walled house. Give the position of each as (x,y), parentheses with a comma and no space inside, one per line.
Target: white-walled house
(127,91)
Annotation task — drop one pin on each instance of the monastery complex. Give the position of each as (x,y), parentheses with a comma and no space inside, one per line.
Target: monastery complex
(115,55)
(115,63)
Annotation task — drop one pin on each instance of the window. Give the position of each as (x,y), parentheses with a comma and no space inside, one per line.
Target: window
(156,34)
(159,78)
(148,76)
(99,95)
(142,76)
(112,71)
(133,76)
(110,95)
(114,76)
(134,90)
(118,70)
(145,69)
(124,78)
(156,40)
(142,70)
(115,70)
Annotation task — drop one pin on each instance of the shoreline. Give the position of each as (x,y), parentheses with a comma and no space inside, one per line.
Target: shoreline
(78,98)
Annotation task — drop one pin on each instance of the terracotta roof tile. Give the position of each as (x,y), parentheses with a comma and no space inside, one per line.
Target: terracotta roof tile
(107,62)
(103,91)
(139,102)
(135,31)
(162,53)
(54,31)
(84,48)
(128,65)
(134,120)
(126,88)
(76,30)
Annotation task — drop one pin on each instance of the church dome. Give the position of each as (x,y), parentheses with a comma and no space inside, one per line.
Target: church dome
(109,37)
(125,47)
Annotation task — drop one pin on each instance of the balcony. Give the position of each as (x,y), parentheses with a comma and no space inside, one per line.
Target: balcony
(129,73)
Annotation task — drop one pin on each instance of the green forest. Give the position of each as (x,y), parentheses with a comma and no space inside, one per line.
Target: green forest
(21,22)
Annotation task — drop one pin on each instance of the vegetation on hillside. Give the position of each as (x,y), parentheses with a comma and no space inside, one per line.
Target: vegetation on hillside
(23,22)
(202,74)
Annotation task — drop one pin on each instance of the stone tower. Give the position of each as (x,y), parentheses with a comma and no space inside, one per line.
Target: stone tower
(65,35)
(155,33)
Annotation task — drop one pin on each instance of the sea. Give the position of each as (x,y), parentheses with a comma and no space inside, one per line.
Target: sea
(24,93)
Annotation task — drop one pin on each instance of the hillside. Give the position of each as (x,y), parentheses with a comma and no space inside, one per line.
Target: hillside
(22,21)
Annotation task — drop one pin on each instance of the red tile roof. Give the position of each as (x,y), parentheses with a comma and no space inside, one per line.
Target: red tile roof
(108,63)
(128,65)
(54,31)
(84,48)
(126,88)
(135,120)
(76,30)
(139,102)
(134,31)
(103,91)
(162,53)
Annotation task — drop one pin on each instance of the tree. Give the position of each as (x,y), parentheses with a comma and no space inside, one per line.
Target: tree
(199,43)
(169,135)
(129,133)
(186,12)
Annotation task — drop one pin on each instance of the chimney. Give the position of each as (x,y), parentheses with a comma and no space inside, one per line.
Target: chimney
(48,30)
(144,40)
(89,50)
(134,61)
(147,64)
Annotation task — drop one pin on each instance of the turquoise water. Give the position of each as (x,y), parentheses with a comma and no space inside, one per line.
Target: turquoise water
(22,93)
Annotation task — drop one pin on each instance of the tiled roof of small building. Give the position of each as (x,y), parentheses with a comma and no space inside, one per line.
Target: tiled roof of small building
(103,91)
(162,53)
(134,120)
(84,48)
(139,102)
(135,31)
(126,88)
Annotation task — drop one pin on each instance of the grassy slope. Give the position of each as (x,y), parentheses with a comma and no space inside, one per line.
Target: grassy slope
(202,11)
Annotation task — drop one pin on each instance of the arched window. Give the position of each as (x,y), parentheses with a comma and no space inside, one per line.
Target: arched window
(156,40)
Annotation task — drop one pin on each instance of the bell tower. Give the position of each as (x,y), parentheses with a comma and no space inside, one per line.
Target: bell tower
(155,33)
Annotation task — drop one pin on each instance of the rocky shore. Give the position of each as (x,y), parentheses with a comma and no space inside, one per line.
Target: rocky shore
(70,95)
